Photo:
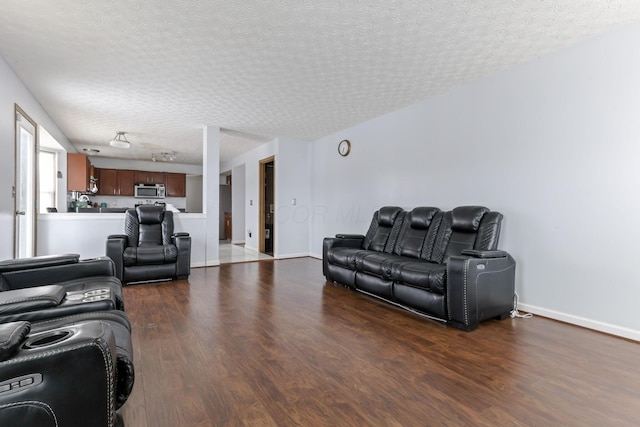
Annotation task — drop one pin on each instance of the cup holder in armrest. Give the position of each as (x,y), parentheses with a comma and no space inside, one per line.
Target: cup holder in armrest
(47,339)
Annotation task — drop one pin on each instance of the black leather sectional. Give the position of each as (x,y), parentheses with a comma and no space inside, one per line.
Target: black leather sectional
(66,356)
(444,265)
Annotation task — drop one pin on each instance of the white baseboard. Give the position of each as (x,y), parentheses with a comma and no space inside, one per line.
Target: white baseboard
(314,255)
(198,264)
(212,263)
(581,321)
(237,242)
(300,255)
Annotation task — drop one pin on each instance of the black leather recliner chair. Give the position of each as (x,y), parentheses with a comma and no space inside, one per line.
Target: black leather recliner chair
(61,291)
(92,280)
(150,250)
(58,377)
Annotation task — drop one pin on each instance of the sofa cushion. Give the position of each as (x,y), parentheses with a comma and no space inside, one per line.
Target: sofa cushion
(150,255)
(422,275)
(489,232)
(421,217)
(343,256)
(410,242)
(376,263)
(467,218)
(384,229)
(388,215)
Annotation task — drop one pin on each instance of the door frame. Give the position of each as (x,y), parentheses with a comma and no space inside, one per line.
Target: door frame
(20,111)
(261,207)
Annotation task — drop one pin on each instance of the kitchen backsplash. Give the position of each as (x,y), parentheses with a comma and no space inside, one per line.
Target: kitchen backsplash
(130,202)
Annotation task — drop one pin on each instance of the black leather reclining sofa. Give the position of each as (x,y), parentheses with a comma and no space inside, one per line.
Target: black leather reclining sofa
(444,265)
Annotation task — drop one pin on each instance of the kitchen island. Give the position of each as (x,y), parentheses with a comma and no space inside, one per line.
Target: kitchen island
(86,233)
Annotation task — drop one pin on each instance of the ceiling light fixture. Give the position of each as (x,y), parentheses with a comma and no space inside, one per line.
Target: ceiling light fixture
(165,156)
(120,141)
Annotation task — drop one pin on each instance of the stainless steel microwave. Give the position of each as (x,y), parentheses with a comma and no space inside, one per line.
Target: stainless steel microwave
(149,191)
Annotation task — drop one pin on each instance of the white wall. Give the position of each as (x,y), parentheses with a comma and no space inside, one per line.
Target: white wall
(14,92)
(86,233)
(251,161)
(553,144)
(292,182)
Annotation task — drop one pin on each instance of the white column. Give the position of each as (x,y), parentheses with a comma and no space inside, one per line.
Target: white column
(211,192)
(238,202)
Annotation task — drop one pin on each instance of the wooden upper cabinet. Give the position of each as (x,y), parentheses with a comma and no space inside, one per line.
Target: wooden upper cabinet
(145,177)
(107,182)
(121,182)
(126,182)
(115,182)
(176,184)
(78,172)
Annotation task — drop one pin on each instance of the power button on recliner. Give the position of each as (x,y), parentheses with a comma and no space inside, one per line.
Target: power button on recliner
(20,383)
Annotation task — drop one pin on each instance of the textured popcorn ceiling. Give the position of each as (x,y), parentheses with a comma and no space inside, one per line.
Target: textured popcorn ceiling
(161,69)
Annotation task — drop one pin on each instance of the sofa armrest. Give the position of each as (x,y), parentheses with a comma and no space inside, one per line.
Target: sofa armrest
(37,262)
(26,300)
(346,240)
(183,263)
(12,335)
(62,377)
(118,236)
(54,273)
(479,289)
(349,236)
(116,244)
(476,253)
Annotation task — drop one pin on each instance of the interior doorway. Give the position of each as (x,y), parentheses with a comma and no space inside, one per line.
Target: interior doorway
(225,207)
(267,206)
(24,188)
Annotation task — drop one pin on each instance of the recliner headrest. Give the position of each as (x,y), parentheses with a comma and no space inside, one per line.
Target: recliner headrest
(387,215)
(467,218)
(421,217)
(150,214)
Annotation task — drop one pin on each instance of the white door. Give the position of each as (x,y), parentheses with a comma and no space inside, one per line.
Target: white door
(25,186)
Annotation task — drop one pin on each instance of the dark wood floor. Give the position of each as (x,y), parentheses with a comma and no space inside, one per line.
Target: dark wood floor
(273,344)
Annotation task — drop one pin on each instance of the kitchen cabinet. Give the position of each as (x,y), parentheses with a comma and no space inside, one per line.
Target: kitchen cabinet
(146,177)
(125,182)
(176,184)
(115,182)
(78,172)
(107,182)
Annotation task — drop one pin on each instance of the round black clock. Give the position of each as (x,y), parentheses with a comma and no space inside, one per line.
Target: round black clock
(344,147)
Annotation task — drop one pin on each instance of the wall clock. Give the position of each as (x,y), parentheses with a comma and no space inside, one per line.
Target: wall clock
(344,147)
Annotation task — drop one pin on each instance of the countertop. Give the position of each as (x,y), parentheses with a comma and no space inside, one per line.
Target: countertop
(97,210)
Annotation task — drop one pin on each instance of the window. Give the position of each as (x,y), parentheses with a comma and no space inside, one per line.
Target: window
(47,170)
